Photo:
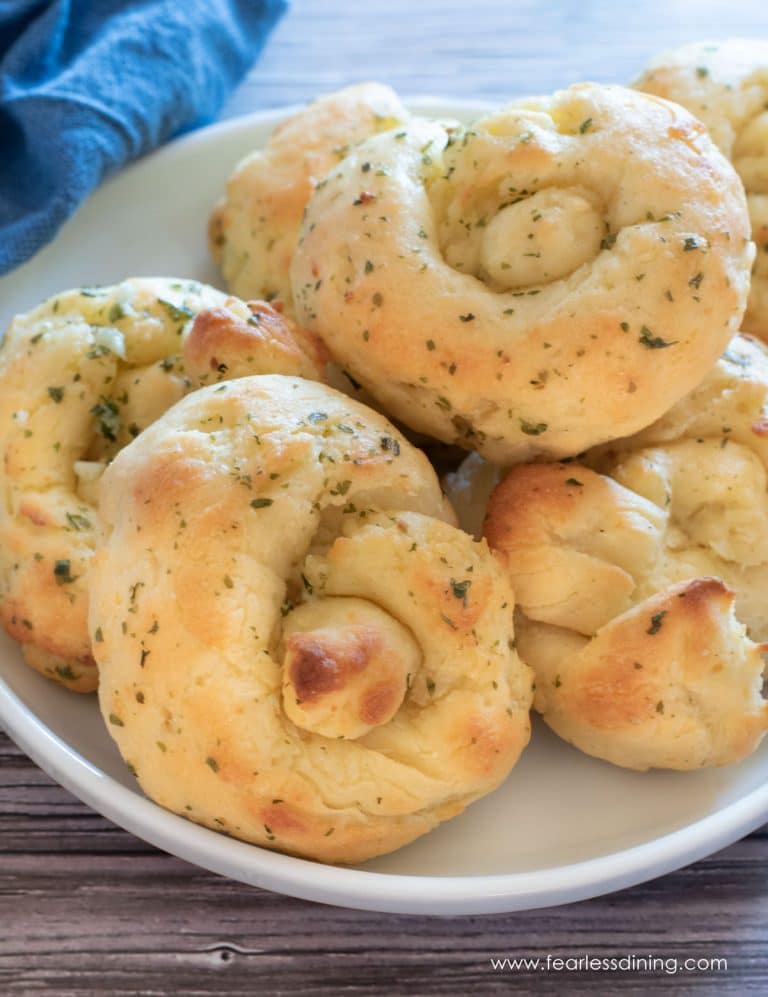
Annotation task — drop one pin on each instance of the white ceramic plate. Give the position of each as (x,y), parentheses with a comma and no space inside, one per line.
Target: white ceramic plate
(563,827)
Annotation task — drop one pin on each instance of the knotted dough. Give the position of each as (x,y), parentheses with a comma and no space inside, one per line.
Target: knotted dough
(80,376)
(627,580)
(254,228)
(631,632)
(552,276)
(295,646)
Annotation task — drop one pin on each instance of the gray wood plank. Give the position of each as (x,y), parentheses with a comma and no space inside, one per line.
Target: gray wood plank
(492,49)
(87,909)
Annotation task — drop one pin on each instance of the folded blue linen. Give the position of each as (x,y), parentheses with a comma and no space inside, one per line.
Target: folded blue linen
(88,85)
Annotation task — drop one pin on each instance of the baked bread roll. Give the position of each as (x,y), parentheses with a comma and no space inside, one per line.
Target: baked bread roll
(626,617)
(729,406)
(80,376)
(553,276)
(254,228)
(295,646)
(705,462)
(725,84)
(589,554)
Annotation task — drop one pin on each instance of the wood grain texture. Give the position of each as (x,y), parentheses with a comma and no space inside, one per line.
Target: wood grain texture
(489,49)
(87,909)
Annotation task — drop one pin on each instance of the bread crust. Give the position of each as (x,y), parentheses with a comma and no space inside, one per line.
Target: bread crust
(638,654)
(295,646)
(253,229)
(725,84)
(80,376)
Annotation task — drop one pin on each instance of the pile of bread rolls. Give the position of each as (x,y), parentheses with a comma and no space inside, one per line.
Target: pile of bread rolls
(296,637)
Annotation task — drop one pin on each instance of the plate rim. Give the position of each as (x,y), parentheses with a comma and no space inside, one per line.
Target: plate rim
(394,893)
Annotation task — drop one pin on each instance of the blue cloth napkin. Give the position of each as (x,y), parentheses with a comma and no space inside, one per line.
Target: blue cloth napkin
(88,85)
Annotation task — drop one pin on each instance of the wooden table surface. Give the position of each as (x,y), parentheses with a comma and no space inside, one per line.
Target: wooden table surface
(86,908)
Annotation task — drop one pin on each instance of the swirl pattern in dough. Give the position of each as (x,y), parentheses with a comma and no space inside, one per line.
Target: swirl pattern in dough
(555,275)
(295,646)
